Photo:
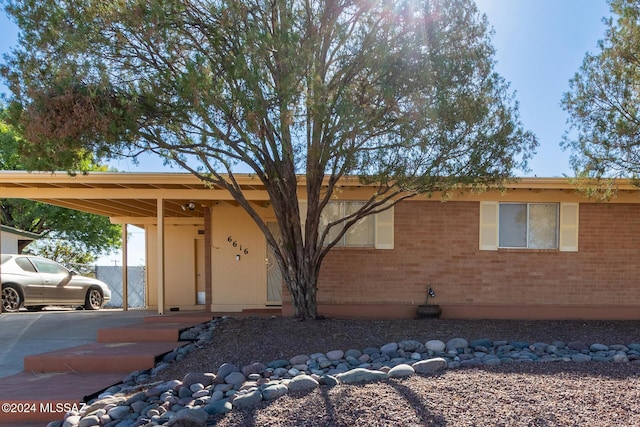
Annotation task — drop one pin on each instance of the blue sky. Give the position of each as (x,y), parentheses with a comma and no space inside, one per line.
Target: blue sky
(540,45)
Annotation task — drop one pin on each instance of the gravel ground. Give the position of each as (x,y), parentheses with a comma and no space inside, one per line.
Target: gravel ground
(531,394)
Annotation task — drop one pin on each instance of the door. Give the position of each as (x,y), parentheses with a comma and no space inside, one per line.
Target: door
(200,272)
(33,287)
(274,275)
(59,288)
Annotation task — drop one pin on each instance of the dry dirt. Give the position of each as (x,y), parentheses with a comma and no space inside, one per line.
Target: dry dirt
(532,394)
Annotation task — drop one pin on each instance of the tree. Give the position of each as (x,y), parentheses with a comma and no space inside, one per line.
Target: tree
(96,235)
(66,253)
(401,94)
(604,99)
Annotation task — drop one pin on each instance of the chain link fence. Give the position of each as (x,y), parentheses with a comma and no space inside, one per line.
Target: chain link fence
(112,276)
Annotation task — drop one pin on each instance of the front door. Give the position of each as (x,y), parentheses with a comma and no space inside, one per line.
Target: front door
(200,272)
(274,275)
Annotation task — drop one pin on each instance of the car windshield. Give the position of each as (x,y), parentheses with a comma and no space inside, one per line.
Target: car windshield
(5,258)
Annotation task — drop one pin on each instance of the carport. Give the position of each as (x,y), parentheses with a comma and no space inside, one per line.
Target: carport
(152,201)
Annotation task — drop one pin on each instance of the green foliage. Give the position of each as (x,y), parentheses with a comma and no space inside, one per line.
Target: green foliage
(93,233)
(86,232)
(401,93)
(604,100)
(65,252)
(17,153)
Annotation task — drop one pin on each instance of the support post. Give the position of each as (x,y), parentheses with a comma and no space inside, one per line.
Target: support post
(125,269)
(208,244)
(160,217)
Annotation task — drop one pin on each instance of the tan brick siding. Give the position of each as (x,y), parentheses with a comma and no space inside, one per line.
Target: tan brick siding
(437,243)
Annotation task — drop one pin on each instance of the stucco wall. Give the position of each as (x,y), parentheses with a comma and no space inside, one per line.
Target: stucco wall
(9,243)
(437,244)
(180,268)
(237,283)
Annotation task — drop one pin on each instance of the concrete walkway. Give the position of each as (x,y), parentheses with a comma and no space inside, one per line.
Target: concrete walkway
(64,371)
(26,333)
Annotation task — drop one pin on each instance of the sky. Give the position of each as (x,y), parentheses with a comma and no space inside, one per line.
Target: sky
(539,45)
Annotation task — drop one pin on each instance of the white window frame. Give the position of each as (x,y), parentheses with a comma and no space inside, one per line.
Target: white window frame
(343,207)
(569,219)
(383,226)
(528,225)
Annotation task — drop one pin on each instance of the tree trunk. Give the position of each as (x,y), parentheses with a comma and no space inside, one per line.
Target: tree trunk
(302,284)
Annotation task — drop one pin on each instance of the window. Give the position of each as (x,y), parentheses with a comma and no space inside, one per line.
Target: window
(25,264)
(528,225)
(48,266)
(361,234)
(372,231)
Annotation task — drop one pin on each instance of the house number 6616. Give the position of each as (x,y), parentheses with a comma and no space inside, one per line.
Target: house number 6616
(235,244)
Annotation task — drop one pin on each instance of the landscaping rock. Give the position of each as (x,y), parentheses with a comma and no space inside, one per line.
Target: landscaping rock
(247,400)
(455,344)
(302,383)
(435,346)
(274,391)
(401,371)
(359,375)
(430,366)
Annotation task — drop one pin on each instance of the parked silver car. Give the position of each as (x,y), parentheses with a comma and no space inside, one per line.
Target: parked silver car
(34,282)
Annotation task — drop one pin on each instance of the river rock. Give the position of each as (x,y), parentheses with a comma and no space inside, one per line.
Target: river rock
(335,355)
(598,347)
(119,412)
(329,380)
(430,366)
(359,375)
(274,391)
(353,353)
(71,421)
(483,342)
(620,358)
(89,421)
(435,346)
(254,368)
(247,400)
(204,378)
(218,407)
(389,348)
(298,360)
(302,383)
(160,388)
(280,363)
(235,378)
(577,346)
(579,357)
(400,371)
(410,345)
(455,344)
(224,370)
(189,417)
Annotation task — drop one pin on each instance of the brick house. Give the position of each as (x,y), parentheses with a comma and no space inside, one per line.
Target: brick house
(538,250)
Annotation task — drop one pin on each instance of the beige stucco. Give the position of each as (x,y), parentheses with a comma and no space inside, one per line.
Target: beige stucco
(180,290)
(238,279)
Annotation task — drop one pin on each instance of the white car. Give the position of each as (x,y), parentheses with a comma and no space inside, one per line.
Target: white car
(35,282)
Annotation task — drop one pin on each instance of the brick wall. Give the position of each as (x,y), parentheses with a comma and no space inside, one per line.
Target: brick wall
(437,243)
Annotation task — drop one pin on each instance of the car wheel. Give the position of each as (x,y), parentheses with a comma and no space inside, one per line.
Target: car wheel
(94,299)
(11,298)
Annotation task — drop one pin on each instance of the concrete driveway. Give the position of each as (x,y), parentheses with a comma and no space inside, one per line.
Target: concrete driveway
(25,333)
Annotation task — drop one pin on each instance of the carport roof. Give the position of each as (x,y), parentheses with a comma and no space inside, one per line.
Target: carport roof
(126,197)
(130,195)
